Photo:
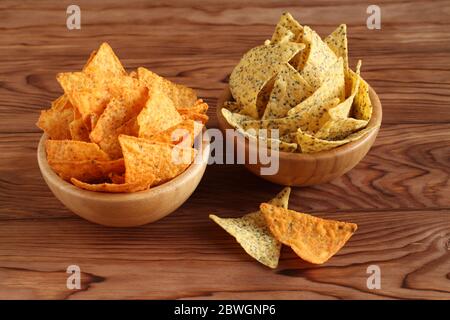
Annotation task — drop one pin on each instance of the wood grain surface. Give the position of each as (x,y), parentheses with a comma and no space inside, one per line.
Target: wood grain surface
(399,195)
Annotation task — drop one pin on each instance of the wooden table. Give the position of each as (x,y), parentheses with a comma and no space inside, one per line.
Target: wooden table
(399,194)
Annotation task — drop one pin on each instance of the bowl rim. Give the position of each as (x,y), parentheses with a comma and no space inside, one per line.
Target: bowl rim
(191,171)
(374,122)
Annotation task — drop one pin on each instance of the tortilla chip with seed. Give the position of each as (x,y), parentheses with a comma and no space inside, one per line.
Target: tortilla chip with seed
(287,29)
(332,87)
(362,106)
(181,96)
(319,60)
(275,144)
(338,129)
(313,239)
(234,119)
(112,187)
(70,150)
(256,68)
(56,121)
(283,125)
(252,233)
(310,144)
(342,110)
(337,42)
(87,170)
(316,116)
(144,159)
(158,114)
(289,90)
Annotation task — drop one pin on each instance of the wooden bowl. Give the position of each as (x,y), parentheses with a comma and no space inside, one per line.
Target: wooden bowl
(126,209)
(298,169)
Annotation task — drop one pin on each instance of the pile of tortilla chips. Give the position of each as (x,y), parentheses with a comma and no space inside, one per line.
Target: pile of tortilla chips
(303,87)
(113,131)
(262,233)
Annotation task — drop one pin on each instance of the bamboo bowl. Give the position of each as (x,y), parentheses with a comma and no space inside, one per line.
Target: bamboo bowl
(297,169)
(126,209)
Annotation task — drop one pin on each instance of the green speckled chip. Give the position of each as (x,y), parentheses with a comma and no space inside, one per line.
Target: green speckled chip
(252,233)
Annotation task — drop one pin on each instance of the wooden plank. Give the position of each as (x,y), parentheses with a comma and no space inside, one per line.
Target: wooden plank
(398,194)
(407,168)
(154,261)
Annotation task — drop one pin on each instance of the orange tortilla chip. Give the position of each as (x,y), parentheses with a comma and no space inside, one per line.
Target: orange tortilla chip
(87,170)
(103,63)
(144,159)
(158,114)
(181,96)
(183,133)
(112,187)
(55,121)
(69,150)
(313,239)
(116,114)
(199,117)
(198,107)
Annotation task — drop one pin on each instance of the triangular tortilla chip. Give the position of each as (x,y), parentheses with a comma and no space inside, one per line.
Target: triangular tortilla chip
(87,170)
(117,113)
(313,239)
(320,59)
(256,68)
(337,129)
(289,90)
(362,106)
(70,150)
(56,121)
(252,233)
(158,114)
(337,42)
(144,159)
(183,133)
(103,63)
(181,96)
(287,29)
(332,87)
(112,187)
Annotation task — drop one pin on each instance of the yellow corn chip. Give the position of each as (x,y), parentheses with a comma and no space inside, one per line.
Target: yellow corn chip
(339,129)
(337,42)
(256,68)
(87,170)
(332,87)
(55,121)
(69,150)
(342,110)
(362,106)
(313,239)
(289,90)
(181,96)
(198,107)
(252,233)
(144,159)
(319,61)
(112,187)
(287,29)
(310,144)
(158,114)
